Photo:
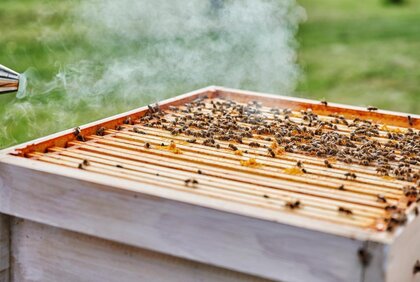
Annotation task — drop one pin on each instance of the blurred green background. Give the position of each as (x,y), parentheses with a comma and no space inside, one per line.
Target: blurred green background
(354,52)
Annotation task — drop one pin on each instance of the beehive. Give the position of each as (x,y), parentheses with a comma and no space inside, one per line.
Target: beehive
(267,186)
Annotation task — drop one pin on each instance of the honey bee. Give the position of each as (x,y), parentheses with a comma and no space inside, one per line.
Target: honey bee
(271,152)
(173,108)
(345,211)
(323,102)
(209,142)
(77,131)
(128,120)
(100,131)
(350,175)
(119,166)
(254,144)
(137,130)
(327,164)
(80,138)
(364,256)
(293,204)
(86,162)
(364,162)
(391,208)
(147,145)
(190,182)
(233,147)
(371,108)
(151,109)
(416,268)
(410,120)
(341,187)
(381,198)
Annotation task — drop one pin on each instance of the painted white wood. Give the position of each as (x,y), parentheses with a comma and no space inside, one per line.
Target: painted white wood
(403,254)
(44,253)
(241,243)
(124,186)
(375,270)
(4,248)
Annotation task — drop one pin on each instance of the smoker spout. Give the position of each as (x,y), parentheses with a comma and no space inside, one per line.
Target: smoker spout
(9,80)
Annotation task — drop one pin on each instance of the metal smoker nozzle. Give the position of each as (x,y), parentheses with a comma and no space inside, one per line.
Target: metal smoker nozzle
(10,81)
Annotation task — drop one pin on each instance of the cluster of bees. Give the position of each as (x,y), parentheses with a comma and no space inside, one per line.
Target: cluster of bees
(395,153)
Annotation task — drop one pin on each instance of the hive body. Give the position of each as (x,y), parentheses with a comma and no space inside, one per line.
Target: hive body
(199,184)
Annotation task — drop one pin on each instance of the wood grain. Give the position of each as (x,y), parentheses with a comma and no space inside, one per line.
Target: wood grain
(244,244)
(44,253)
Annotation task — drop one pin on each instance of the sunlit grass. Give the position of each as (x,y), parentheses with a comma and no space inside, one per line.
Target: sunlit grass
(362,53)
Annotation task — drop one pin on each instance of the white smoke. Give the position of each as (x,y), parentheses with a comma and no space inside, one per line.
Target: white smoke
(237,43)
(141,51)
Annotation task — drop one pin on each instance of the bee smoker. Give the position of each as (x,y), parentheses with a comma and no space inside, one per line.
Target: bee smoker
(11,81)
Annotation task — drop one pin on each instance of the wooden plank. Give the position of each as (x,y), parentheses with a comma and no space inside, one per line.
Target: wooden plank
(285,156)
(258,190)
(140,217)
(4,248)
(358,217)
(272,100)
(60,139)
(45,253)
(220,157)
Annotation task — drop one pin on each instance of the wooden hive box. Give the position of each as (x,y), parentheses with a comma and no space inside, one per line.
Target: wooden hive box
(128,198)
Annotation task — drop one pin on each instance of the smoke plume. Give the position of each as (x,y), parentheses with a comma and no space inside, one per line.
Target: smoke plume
(140,51)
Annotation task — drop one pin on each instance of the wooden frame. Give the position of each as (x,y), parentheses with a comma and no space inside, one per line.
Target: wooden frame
(46,253)
(214,232)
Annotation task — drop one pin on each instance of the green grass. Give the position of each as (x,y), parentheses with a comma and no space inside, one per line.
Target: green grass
(355,52)
(362,53)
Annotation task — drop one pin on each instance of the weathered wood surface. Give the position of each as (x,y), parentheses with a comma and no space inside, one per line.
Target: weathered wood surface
(257,247)
(4,248)
(43,253)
